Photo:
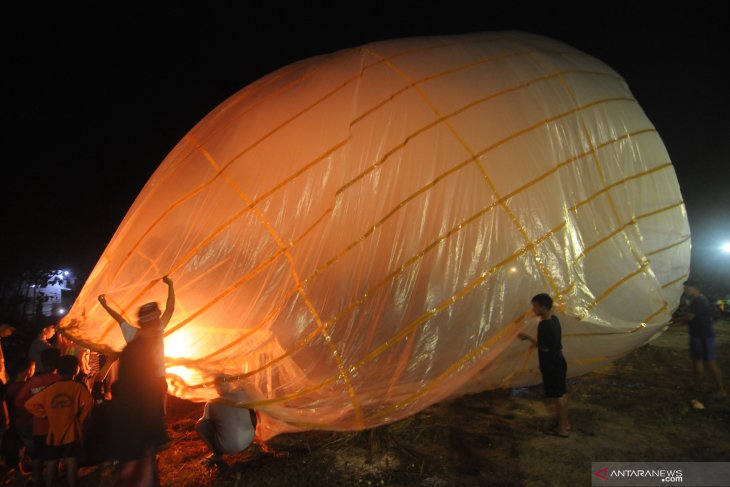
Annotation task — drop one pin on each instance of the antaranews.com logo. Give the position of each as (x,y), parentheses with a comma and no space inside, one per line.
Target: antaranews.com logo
(664,475)
(707,474)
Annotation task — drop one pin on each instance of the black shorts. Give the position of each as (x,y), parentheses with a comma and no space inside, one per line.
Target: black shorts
(39,447)
(68,450)
(553,378)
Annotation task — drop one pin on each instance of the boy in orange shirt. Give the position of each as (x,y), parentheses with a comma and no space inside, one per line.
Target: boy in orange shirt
(66,404)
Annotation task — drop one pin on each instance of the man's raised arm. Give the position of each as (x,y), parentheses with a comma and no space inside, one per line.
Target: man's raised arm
(112,313)
(170,305)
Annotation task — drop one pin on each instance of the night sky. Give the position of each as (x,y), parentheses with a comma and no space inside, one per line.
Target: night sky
(94,98)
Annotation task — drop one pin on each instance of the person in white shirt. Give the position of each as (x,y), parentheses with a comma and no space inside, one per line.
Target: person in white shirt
(226,428)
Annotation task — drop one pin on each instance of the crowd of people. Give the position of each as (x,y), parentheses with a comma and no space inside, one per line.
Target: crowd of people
(60,404)
(65,407)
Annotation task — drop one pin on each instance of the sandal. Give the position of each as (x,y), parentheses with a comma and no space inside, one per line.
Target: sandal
(554,432)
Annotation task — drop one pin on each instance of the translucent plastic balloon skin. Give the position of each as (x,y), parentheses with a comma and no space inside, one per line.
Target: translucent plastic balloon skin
(358,235)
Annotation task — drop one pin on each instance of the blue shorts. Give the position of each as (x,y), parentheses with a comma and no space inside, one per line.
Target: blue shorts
(702,348)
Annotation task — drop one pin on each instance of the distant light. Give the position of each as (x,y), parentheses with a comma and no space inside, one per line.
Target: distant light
(32,285)
(513,269)
(65,273)
(726,247)
(61,311)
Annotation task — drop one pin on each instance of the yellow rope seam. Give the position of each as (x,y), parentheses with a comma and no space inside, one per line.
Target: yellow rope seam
(624,180)
(328,152)
(413,259)
(594,155)
(684,276)
(605,294)
(613,287)
(455,366)
(320,158)
(425,317)
(665,307)
(671,246)
(641,260)
(520,228)
(631,222)
(443,118)
(295,275)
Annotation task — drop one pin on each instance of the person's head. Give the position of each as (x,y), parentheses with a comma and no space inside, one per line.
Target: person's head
(49,359)
(47,332)
(84,354)
(6,330)
(24,370)
(691,288)
(148,316)
(68,366)
(542,304)
(223,383)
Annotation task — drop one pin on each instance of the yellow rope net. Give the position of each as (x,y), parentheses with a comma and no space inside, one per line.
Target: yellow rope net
(357,236)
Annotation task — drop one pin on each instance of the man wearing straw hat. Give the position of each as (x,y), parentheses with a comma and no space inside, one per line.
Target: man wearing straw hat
(138,426)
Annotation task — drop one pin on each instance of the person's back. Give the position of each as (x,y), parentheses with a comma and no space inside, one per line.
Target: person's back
(138,428)
(234,430)
(700,326)
(66,404)
(225,427)
(549,342)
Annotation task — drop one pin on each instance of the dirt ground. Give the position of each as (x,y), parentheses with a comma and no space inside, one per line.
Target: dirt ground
(637,409)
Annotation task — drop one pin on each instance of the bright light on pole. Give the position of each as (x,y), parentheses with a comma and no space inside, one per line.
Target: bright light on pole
(726,247)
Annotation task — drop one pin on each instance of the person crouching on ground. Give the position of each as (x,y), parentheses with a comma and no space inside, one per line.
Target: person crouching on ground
(225,427)
(552,363)
(66,404)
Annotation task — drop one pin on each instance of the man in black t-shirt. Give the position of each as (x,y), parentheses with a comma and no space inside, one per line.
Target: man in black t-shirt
(552,363)
(701,336)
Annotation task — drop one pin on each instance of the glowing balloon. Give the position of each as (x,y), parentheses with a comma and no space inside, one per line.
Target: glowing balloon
(358,235)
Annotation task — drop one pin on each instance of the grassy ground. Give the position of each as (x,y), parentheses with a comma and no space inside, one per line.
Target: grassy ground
(637,409)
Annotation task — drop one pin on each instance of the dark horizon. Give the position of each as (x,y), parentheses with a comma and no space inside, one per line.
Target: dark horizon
(94,107)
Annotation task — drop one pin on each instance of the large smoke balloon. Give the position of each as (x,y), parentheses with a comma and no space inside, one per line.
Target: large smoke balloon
(358,235)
